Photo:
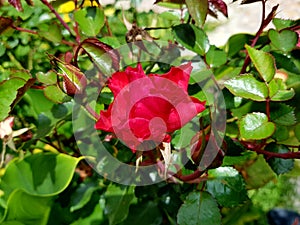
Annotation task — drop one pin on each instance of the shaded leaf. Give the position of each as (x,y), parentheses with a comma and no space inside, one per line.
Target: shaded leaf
(263,62)
(216,57)
(192,38)
(117,202)
(51,32)
(198,10)
(236,43)
(246,86)
(227,186)
(297,131)
(283,114)
(199,208)
(257,173)
(279,165)
(284,40)
(255,126)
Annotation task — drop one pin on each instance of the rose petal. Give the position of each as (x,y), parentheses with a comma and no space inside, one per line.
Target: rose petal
(120,79)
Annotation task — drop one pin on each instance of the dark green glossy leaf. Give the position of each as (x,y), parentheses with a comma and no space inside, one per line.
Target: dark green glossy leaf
(246,86)
(198,10)
(55,94)
(263,62)
(90,20)
(47,78)
(148,212)
(23,208)
(199,208)
(279,165)
(40,174)
(255,126)
(283,114)
(278,91)
(227,186)
(117,202)
(236,43)
(285,62)
(216,57)
(284,40)
(258,173)
(192,38)
(8,94)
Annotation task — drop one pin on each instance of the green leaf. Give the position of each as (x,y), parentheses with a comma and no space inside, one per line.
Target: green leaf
(47,78)
(255,126)
(90,20)
(198,10)
(281,133)
(83,195)
(239,160)
(51,32)
(258,173)
(192,38)
(246,86)
(279,165)
(40,174)
(297,131)
(236,43)
(55,94)
(148,212)
(23,208)
(282,23)
(117,203)
(8,94)
(263,62)
(284,40)
(278,92)
(227,186)
(216,57)
(283,114)
(199,208)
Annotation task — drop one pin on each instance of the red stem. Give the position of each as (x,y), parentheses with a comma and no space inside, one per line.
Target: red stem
(24,30)
(57,15)
(288,155)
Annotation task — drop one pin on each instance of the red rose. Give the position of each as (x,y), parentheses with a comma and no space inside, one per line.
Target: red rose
(147,108)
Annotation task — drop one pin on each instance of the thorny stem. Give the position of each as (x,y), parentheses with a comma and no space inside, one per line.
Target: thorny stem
(264,23)
(45,2)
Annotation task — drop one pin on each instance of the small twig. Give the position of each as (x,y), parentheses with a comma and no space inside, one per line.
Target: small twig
(24,30)
(288,155)
(57,15)
(3,153)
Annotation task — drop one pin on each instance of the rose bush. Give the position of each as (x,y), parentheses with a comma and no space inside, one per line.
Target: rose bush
(149,108)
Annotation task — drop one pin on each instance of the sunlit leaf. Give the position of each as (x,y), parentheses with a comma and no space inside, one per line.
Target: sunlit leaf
(23,208)
(278,91)
(47,78)
(198,10)
(216,57)
(263,62)
(246,86)
(255,126)
(90,20)
(40,174)
(55,94)
(199,208)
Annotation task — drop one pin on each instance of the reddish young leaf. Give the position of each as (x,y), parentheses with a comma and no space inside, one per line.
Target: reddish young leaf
(17,4)
(5,23)
(220,6)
